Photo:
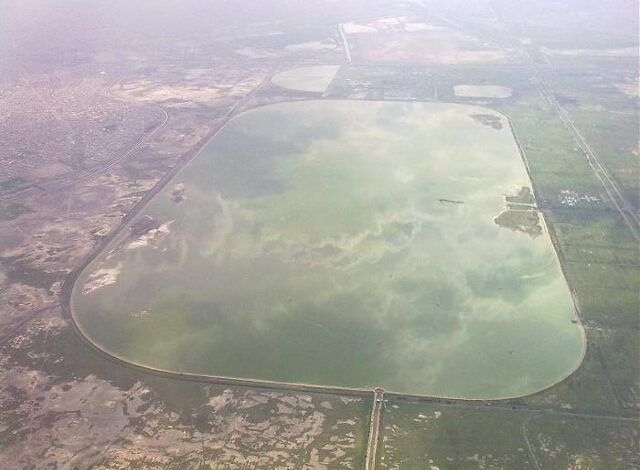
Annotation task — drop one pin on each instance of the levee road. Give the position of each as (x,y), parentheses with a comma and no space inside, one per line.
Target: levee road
(374,429)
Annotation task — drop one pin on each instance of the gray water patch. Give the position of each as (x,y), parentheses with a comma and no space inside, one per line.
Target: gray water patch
(315,78)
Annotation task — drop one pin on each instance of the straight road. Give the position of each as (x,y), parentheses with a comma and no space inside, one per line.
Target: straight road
(525,435)
(609,185)
(374,429)
(347,48)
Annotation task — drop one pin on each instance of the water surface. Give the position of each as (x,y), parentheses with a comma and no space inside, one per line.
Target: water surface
(342,243)
(315,78)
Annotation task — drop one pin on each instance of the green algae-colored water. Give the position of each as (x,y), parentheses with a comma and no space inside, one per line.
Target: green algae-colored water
(342,243)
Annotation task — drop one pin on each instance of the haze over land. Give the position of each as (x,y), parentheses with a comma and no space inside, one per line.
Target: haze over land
(437,198)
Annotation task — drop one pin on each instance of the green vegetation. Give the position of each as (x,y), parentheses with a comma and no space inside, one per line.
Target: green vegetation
(521,220)
(579,442)
(603,102)
(428,435)
(431,435)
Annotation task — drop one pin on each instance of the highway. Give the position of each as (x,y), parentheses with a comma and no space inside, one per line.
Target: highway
(611,188)
(609,185)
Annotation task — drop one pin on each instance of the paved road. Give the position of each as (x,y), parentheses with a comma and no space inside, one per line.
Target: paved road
(374,429)
(611,188)
(347,48)
(525,435)
(609,185)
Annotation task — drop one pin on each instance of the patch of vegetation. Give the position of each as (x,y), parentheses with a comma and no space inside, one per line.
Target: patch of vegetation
(605,115)
(428,435)
(578,442)
(525,221)
(135,173)
(588,389)
(524,197)
(34,277)
(601,260)
(622,368)
(490,120)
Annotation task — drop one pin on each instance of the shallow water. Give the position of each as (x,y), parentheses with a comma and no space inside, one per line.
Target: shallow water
(315,78)
(343,243)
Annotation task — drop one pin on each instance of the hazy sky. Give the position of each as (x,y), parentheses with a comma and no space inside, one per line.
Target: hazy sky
(46,33)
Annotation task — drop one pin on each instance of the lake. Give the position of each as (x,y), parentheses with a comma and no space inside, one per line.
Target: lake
(343,243)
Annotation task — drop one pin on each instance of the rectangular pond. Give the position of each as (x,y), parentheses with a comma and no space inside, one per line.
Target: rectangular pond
(343,243)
